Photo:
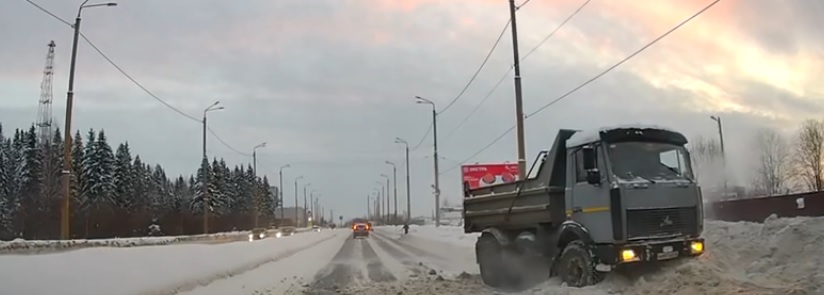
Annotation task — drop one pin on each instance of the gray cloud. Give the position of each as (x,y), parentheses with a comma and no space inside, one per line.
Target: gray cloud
(329,85)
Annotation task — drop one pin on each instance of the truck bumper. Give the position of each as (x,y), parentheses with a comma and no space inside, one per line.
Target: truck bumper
(649,251)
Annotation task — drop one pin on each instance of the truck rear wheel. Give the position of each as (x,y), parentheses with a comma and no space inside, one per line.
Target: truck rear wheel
(490,261)
(577,266)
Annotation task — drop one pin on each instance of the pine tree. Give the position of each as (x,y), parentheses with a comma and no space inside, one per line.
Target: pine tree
(218,188)
(124,178)
(105,170)
(6,201)
(53,180)
(78,180)
(203,176)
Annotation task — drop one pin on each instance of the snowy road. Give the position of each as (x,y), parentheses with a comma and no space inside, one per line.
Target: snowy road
(385,263)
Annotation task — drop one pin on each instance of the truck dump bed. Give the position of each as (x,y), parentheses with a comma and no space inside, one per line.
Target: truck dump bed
(525,203)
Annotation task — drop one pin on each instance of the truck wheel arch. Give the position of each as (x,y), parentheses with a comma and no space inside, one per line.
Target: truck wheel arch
(572,231)
(499,235)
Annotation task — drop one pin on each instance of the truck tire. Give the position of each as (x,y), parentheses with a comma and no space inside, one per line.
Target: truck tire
(489,259)
(577,266)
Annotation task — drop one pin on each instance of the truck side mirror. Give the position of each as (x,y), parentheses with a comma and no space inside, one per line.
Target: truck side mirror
(591,165)
(466,189)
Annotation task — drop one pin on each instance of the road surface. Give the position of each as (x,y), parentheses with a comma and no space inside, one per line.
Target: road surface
(384,263)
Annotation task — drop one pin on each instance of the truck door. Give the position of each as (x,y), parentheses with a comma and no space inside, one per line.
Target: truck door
(590,201)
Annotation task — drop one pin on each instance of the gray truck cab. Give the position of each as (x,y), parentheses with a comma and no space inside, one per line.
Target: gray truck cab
(639,181)
(598,200)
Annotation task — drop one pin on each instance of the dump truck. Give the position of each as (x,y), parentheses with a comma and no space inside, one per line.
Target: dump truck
(595,202)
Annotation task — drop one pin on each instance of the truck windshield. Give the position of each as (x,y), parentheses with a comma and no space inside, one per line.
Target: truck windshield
(649,160)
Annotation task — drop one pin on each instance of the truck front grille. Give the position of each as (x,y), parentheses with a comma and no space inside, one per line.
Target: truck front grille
(642,223)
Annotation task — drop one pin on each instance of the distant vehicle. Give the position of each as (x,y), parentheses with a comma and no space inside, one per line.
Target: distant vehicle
(360,230)
(369,226)
(599,201)
(316,228)
(258,233)
(285,231)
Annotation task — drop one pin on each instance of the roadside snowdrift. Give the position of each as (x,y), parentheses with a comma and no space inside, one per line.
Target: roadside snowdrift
(781,256)
(20,246)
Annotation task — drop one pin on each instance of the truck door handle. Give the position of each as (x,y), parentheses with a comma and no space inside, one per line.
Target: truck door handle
(577,210)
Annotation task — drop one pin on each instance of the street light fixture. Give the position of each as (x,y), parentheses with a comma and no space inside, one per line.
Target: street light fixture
(65,213)
(408,194)
(395,188)
(280,192)
(421,100)
(257,189)
(296,199)
(717,120)
(386,196)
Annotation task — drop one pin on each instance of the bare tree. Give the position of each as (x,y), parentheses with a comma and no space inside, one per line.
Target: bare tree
(809,154)
(772,169)
(706,153)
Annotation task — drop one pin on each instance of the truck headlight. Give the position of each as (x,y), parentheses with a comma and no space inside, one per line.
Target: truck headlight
(251,237)
(697,247)
(278,235)
(262,235)
(628,255)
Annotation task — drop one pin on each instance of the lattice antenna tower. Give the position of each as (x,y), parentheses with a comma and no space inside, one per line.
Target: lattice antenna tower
(44,110)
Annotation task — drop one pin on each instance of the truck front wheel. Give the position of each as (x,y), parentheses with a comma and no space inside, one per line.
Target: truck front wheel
(577,266)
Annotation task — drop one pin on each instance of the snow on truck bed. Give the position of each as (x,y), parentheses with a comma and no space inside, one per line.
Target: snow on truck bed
(592,135)
(779,256)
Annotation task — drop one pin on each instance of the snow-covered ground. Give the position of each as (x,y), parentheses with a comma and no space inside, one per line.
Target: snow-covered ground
(20,246)
(142,270)
(780,256)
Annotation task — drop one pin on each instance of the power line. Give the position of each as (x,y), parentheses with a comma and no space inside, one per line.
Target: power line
(423,138)
(596,77)
(488,94)
(119,69)
(478,71)
(49,13)
(146,90)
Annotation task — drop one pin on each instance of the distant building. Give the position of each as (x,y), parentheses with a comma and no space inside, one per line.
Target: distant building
(289,214)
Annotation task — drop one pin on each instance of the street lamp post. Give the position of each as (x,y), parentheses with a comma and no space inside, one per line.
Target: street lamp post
(422,100)
(387,196)
(65,214)
(306,206)
(257,189)
(395,188)
(379,204)
(717,120)
(280,192)
(296,200)
(408,198)
(206,199)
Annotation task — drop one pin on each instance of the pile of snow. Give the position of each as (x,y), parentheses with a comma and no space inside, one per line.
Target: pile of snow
(35,246)
(142,270)
(779,256)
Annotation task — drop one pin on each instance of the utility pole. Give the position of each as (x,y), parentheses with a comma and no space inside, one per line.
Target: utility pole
(519,105)
(386,195)
(717,120)
(422,100)
(65,212)
(395,188)
(280,191)
(297,217)
(205,182)
(257,189)
(306,217)
(408,194)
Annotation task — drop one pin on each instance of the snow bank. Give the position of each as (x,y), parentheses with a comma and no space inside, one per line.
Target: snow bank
(141,270)
(19,246)
(780,256)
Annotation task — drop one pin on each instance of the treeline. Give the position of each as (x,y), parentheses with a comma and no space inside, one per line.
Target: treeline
(778,164)
(116,194)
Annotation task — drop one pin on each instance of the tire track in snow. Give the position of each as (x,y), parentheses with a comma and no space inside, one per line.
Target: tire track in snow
(375,269)
(339,273)
(405,259)
(412,249)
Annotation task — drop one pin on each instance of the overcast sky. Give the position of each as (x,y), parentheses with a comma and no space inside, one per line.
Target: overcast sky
(329,84)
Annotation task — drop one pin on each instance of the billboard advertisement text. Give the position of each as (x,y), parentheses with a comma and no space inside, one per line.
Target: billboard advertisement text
(481,175)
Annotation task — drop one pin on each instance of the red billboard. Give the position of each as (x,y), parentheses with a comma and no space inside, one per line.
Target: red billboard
(481,175)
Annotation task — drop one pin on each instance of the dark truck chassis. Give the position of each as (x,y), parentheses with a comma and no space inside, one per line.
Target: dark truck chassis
(528,235)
